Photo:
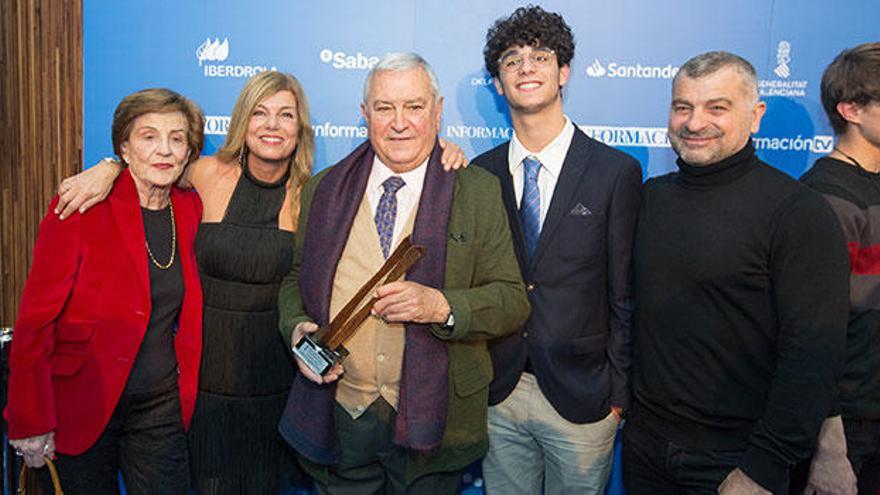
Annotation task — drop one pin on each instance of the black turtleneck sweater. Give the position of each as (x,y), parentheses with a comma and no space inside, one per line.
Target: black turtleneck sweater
(741,283)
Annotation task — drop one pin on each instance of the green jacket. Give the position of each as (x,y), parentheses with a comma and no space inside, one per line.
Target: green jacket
(483,286)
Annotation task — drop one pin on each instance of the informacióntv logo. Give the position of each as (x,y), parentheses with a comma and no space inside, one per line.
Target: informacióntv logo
(820,144)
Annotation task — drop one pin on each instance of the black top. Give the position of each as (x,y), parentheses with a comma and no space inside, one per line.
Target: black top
(242,261)
(854,194)
(155,368)
(741,302)
(246,370)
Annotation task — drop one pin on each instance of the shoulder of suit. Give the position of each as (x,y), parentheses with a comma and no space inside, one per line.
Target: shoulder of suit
(496,157)
(478,176)
(320,175)
(311,184)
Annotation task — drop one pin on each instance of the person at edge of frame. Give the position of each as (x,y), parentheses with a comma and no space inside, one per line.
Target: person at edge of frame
(847,458)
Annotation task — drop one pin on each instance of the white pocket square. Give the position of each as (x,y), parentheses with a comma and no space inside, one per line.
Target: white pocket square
(580,210)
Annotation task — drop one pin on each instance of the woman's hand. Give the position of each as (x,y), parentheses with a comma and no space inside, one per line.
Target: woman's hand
(35,449)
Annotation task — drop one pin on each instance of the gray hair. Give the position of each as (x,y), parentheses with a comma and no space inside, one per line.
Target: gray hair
(711,62)
(401,61)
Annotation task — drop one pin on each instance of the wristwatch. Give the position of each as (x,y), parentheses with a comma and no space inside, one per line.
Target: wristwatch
(114,161)
(450,322)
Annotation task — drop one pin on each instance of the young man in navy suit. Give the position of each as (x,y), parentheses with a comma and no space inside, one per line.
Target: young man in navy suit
(561,382)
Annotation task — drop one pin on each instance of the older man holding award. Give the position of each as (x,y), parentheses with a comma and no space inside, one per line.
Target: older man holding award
(409,411)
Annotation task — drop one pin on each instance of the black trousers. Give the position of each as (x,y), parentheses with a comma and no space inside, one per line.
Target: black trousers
(370,462)
(653,465)
(863,450)
(144,439)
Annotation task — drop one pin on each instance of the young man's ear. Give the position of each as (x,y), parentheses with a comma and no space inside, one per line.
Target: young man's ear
(564,72)
(850,111)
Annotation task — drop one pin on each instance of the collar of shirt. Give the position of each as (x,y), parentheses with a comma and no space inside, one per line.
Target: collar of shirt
(551,157)
(407,196)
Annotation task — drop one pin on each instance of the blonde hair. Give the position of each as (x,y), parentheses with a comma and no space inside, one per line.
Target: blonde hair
(257,89)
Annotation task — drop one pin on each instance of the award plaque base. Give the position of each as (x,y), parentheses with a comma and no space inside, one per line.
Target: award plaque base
(318,357)
(323,348)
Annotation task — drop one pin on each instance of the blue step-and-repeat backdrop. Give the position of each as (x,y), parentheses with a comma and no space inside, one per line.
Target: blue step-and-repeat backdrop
(626,55)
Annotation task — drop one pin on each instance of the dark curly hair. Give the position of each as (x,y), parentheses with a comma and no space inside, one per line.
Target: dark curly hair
(529,26)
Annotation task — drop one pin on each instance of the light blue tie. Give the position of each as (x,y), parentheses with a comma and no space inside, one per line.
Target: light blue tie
(386,212)
(530,205)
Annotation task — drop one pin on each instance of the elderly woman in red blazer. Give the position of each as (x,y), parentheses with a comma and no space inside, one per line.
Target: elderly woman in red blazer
(105,359)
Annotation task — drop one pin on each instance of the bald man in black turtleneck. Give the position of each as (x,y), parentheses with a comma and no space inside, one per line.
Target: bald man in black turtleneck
(741,302)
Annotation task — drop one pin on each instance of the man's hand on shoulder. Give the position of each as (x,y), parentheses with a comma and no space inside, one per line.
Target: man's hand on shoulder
(411,302)
(453,156)
(80,192)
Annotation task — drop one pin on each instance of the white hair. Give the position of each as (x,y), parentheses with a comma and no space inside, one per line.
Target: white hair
(401,61)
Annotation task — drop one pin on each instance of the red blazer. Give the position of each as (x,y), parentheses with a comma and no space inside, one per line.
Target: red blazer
(84,313)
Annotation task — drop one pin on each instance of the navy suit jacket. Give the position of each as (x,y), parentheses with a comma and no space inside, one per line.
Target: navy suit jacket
(578,337)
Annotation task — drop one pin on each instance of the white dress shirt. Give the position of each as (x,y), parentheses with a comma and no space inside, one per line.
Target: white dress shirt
(551,158)
(407,196)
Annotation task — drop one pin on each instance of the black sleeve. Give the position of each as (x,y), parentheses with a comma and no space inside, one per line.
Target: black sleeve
(810,279)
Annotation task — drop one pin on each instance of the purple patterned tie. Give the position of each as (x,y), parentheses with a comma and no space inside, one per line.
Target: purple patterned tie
(530,204)
(386,212)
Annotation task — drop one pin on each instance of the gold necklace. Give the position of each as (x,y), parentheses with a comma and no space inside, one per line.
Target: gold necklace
(173,243)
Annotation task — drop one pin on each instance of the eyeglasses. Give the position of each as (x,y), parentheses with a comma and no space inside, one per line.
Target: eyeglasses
(539,57)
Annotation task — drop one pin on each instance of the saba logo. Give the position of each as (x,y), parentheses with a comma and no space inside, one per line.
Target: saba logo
(596,69)
(213,51)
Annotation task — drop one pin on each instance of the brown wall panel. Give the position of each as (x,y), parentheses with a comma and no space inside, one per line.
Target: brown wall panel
(40,126)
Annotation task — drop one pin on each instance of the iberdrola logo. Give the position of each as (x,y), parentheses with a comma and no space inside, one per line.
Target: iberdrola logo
(213,51)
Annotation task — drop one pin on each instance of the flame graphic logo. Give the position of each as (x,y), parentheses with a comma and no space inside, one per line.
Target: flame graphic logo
(213,51)
(596,69)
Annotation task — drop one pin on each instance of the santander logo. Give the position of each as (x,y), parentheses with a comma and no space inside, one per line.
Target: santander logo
(596,69)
